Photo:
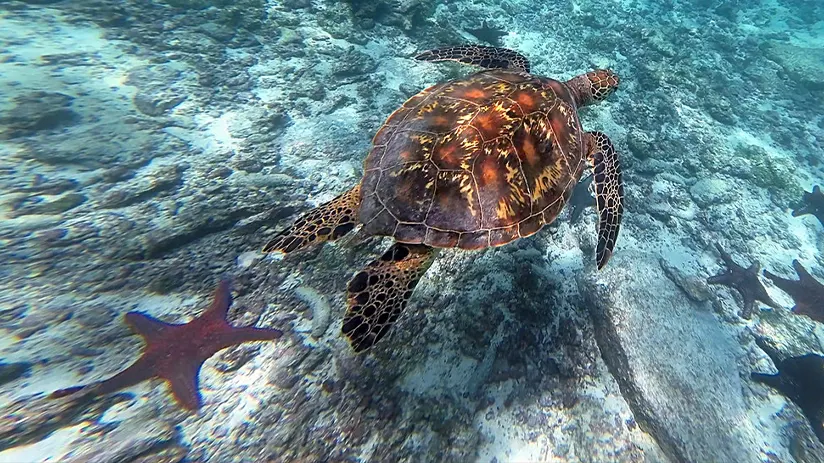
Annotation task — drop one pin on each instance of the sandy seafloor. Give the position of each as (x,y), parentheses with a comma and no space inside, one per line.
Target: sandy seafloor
(149,148)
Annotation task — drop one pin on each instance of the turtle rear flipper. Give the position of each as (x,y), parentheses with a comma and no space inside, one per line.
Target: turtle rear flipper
(485,57)
(609,194)
(377,295)
(327,222)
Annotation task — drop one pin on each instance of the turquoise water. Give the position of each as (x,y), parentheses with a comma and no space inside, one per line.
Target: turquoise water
(149,151)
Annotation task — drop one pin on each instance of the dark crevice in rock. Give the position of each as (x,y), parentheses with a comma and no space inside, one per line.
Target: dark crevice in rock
(162,242)
(12,371)
(36,112)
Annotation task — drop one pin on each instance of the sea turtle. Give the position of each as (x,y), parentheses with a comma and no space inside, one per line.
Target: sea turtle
(470,163)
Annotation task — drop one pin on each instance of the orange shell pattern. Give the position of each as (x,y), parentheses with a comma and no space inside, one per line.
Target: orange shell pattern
(473,162)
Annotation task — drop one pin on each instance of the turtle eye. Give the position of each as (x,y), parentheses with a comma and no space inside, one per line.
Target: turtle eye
(602,83)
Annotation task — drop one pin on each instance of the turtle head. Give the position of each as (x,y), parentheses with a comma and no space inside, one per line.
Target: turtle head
(593,86)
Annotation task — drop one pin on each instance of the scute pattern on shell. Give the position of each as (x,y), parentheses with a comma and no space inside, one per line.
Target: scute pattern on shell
(473,162)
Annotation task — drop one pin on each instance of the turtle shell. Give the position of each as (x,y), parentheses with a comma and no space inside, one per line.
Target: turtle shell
(473,162)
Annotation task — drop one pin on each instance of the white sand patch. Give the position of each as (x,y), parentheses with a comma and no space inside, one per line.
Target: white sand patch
(448,373)
(51,449)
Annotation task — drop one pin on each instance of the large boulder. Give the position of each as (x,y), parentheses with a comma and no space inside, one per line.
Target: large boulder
(674,362)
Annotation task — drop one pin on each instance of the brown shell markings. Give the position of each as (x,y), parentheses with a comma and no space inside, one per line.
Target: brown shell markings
(474,162)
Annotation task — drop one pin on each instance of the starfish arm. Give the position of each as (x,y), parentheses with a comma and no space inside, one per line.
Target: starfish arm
(770,302)
(221,301)
(803,275)
(239,335)
(770,380)
(768,349)
(725,256)
(720,279)
(815,313)
(803,210)
(183,380)
(749,305)
(137,372)
(812,202)
(786,285)
(145,325)
(807,292)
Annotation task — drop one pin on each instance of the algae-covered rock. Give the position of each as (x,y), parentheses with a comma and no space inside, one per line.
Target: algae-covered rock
(712,190)
(771,171)
(36,112)
(803,64)
(49,207)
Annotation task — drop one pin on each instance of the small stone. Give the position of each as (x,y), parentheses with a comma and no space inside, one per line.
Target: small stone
(9,315)
(712,190)
(284,379)
(219,32)
(164,284)
(58,206)
(251,166)
(44,186)
(38,111)
(695,288)
(117,174)
(248,258)
(320,309)
(156,104)
(51,236)
(354,64)
(297,4)
(41,320)
(93,317)
(163,179)
(219,172)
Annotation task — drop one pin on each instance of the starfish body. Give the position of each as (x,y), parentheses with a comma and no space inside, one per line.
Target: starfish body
(175,352)
(807,292)
(743,280)
(800,379)
(812,203)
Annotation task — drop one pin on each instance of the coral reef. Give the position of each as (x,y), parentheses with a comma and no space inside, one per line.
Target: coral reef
(152,147)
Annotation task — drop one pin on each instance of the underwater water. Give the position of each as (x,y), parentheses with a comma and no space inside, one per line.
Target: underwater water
(155,154)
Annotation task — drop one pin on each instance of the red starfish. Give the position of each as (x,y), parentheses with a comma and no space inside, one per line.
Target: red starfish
(807,292)
(176,352)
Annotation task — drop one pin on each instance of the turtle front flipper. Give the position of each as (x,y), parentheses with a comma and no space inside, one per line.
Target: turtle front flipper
(609,193)
(377,295)
(327,222)
(485,57)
